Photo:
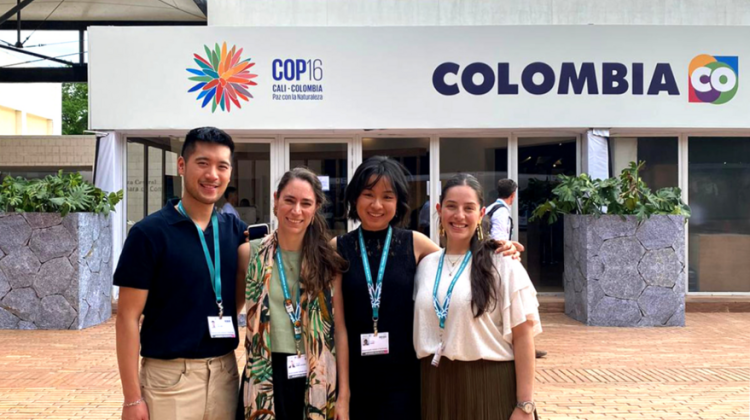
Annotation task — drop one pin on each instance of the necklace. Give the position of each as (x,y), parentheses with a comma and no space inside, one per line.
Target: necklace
(287,264)
(453,263)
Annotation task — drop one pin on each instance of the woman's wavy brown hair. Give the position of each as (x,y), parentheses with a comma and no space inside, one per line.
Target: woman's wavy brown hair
(320,262)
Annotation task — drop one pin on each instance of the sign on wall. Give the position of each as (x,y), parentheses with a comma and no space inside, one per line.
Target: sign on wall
(418,77)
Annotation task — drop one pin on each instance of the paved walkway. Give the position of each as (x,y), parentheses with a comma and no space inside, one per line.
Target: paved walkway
(698,372)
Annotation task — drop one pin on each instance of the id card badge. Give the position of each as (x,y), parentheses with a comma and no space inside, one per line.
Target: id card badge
(438,355)
(373,345)
(296,366)
(221,327)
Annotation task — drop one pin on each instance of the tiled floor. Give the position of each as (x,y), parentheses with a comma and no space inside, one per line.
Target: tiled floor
(701,371)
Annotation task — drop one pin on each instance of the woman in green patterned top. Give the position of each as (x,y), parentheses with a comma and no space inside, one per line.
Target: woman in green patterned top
(291,369)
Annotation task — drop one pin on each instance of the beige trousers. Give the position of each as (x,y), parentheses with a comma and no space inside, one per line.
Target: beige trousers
(190,389)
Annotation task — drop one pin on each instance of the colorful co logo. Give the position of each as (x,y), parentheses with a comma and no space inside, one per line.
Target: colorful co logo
(713,79)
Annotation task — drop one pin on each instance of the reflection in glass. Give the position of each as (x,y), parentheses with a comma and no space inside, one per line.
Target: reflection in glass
(485,158)
(719,229)
(414,154)
(153,178)
(659,153)
(251,175)
(135,187)
(540,160)
(328,160)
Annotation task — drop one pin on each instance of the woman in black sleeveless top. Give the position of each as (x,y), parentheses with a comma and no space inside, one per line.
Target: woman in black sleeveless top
(385,386)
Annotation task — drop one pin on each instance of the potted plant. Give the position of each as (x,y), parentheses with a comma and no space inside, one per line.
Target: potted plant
(624,249)
(55,253)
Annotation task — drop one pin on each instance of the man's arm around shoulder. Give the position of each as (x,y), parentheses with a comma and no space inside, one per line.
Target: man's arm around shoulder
(129,309)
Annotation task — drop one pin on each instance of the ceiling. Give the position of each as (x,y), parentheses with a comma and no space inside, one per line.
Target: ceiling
(109,10)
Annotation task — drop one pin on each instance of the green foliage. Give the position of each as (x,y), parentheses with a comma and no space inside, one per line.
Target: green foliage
(625,195)
(61,193)
(75,108)
(536,192)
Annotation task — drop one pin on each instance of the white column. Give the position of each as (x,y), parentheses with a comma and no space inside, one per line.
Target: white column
(435,186)
(513,174)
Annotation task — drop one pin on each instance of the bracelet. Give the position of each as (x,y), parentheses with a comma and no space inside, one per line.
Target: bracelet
(134,403)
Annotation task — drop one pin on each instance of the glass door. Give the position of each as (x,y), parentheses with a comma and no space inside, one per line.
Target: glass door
(414,154)
(540,160)
(152,178)
(329,158)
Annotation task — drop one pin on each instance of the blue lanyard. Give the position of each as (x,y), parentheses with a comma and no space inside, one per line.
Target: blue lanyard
(294,313)
(442,310)
(214,268)
(375,289)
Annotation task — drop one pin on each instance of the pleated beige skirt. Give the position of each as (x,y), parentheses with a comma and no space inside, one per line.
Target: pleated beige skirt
(479,390)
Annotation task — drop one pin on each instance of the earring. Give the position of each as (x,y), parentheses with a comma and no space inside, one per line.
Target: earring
(480,232)
(441,230)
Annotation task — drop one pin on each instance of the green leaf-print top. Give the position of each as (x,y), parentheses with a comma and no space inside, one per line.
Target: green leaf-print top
(317,324)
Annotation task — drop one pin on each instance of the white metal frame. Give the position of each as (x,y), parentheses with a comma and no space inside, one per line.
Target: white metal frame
(280,140)
(683,174)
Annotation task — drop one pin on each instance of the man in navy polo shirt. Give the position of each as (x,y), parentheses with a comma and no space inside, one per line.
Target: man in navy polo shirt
(178,269)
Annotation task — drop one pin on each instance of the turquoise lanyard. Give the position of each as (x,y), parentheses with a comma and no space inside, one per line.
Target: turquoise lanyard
(442,310)
(214,269)
(294,313)
(375,289)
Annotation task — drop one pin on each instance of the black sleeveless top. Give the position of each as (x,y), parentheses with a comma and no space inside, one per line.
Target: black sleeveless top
(383,386)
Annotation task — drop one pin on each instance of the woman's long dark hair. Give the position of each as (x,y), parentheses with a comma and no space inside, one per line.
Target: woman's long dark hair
(320,262)
(483,271)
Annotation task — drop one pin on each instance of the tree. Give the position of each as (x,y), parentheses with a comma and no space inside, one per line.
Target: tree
(75,108)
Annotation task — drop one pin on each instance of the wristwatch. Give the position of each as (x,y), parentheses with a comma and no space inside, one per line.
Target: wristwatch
(527,407)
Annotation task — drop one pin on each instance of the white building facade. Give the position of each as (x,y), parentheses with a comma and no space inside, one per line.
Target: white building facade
(526,90)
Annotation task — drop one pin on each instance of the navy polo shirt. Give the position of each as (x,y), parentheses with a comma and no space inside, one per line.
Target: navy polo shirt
(163,254)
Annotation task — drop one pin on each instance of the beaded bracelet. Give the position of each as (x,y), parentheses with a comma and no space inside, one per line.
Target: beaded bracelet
(134,403)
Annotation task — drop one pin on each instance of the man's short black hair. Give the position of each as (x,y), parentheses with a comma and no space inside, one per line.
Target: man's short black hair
(228,191)
(205,135)
(379,167)
(506,188)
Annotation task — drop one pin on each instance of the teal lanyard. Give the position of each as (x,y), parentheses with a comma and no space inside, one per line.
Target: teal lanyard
(375,289)
(214,268)
(294,313)
(442,310)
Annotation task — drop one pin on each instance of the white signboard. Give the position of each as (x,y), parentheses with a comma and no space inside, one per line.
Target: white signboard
(418,77)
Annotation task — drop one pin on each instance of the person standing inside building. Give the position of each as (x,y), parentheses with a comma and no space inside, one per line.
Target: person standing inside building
(230,195)
(476,315)
(499,212)
(288,280)
(178,269)
(500,219)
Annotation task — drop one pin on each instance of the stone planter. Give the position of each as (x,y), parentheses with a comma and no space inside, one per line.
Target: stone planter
(55,272)
(623,274)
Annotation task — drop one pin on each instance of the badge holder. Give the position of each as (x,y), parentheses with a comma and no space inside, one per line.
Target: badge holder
(221,327)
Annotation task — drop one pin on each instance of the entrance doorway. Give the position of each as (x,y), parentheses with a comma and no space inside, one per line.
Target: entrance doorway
(540,160)
(329,159)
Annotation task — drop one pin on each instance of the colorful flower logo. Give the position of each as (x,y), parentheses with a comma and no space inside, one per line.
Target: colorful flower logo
(223,78)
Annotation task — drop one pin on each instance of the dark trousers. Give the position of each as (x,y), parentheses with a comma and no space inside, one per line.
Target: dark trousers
(288,394)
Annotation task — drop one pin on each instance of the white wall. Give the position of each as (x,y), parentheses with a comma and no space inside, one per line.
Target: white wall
(476,12)
(40,99)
